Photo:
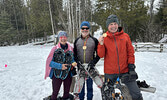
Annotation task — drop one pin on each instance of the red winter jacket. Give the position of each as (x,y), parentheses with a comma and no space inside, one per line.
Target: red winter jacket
(117,51)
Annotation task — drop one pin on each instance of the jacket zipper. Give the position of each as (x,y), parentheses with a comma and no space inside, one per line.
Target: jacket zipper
(117,54)
(84,55)
(85,49)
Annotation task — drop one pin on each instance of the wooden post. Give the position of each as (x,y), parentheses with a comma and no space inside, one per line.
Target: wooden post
(135,46)
(161,47)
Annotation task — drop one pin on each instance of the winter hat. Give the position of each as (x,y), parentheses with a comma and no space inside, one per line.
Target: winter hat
(112,18)
(85,23)
(62,33)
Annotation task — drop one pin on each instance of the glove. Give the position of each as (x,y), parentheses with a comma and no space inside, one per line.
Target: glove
(132,72)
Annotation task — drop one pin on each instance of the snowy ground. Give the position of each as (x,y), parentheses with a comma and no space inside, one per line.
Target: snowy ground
(23,78)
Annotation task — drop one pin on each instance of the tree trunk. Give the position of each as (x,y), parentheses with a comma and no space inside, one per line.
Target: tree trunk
(79,13)
(14,10)
(73,22)
(51,19)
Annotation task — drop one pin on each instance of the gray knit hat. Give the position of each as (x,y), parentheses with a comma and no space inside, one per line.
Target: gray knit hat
(112,18)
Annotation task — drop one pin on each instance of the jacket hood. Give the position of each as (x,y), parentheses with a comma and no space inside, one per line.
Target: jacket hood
(119,32)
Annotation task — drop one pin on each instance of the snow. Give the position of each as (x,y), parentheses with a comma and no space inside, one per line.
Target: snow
(98,33)
(23,78)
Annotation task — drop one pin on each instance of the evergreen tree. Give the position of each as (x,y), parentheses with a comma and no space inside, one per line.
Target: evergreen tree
(132,14)
(7,31)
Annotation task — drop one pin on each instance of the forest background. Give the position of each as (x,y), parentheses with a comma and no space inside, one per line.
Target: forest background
(23,21)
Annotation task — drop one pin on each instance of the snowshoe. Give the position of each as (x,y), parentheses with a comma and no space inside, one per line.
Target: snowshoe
(142,84)
(94,74)
(79,85)
(68,60)
(106,91)
(118,91)
(47,98)
(125,95)
(76,96)
(81,77)
(59,98)
(59,58)
(84,72)
(71,97)
(145,87)
(149,89)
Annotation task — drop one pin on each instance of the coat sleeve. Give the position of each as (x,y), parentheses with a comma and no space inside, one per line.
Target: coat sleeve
(101,50)
(49,59)
(130,52)
(55,65)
